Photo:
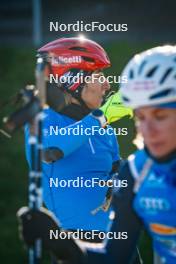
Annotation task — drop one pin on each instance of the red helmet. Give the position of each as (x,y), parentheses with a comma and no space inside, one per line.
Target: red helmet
(75,53)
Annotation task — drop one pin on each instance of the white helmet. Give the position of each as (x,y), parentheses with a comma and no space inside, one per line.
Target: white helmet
(151,78)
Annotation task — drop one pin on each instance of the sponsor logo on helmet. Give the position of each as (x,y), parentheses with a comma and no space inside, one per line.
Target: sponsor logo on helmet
(65,60)
(143,85)
(162,229)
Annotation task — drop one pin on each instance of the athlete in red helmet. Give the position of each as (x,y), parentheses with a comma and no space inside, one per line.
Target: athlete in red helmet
(72,60)
(76,156)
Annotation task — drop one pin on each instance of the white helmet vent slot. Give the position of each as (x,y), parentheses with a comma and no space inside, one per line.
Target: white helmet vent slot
(152,71)
(141,67)
(166,75)
(131,74)
(162,94)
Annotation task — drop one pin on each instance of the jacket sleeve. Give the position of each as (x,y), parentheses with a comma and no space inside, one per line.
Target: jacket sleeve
(65,142)
(117,251)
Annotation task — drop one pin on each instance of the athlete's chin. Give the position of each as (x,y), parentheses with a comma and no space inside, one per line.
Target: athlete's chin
(159,152)
(94,105)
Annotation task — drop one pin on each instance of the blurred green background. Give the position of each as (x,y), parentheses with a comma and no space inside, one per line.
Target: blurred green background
(17,70)
(25,24)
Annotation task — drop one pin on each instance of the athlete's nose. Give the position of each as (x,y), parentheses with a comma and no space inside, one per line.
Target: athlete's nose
(149,129)
(106,85)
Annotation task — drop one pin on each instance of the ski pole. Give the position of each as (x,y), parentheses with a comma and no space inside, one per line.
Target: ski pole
(35,175)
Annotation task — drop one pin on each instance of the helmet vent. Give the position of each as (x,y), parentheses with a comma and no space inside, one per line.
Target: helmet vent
(162,94)
(152,71)
(78,48)
(88,59)
(166,74)
(125,99)
(131,74)
(141,66)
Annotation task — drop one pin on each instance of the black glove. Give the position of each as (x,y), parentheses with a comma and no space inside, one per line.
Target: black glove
(36,224)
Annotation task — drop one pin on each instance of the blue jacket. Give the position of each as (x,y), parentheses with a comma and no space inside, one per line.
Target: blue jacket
(85,157)
(155,203)
(152,204)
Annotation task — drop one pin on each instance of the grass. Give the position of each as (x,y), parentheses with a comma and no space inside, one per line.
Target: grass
(17,70)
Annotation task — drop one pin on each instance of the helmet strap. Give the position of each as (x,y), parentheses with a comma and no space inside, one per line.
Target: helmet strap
(78,95)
